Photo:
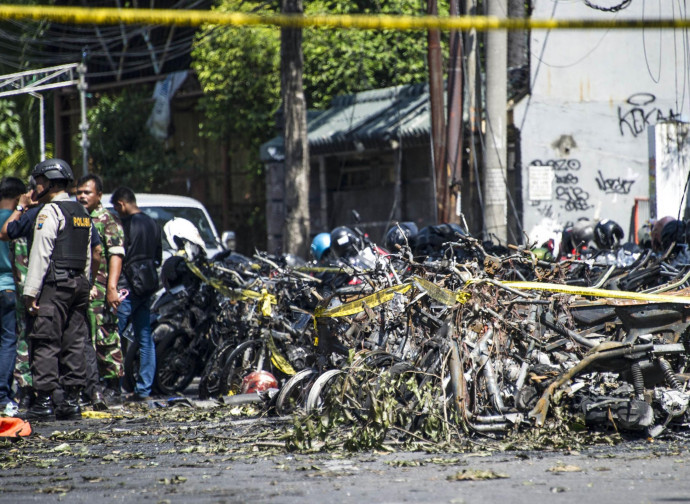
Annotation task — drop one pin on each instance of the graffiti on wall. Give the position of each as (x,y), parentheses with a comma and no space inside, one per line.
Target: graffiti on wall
(639,112)
(616,185)
(567,191)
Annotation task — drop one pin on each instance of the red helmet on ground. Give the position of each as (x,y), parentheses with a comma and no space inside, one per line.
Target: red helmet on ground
(258,381)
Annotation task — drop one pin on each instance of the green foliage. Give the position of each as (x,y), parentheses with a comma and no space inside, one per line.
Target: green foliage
(348,61)
(121,148)
(367,408)
(13,161)
(239,68)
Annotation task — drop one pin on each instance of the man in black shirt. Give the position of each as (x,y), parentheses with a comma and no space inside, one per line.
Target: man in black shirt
(143,251)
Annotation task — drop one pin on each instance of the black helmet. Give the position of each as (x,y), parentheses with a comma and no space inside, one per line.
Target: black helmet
(582,234)
(566,246)
(400,235)
(607,234)
(344,242)
(672,232)
(53,169)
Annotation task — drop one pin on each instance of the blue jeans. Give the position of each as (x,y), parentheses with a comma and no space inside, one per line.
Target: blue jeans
(8,343)
(138,310)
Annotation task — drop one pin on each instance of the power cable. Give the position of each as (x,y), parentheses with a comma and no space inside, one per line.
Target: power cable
(536,71)
(644,48)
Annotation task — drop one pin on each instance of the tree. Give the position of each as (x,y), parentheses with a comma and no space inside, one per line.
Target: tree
(296,226)
(238,67)
(121,148)
(238,71)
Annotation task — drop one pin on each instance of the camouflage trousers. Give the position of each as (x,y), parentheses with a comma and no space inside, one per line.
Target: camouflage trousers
(104,336)
(106,339)
(22,368)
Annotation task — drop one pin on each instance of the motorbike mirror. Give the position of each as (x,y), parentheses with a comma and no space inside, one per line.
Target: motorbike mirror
(356,217)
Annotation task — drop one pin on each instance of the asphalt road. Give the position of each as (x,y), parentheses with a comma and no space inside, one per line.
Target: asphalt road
(210,455)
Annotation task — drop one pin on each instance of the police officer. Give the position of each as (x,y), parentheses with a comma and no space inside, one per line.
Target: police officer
(56,293)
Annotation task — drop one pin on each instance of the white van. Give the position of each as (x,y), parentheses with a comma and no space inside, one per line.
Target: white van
(163,207)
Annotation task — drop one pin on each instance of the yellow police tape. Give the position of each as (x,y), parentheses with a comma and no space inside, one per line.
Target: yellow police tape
(590,291)
(443,296)
(356,306)
(450,298)
(264,299)
(97,414)
(278,360)
(87,15)
(326,269)
(440,294)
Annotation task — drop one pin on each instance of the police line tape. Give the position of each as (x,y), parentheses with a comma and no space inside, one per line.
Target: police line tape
(450,298)
(264,299)
(110,15)
(591,291)
(439,294)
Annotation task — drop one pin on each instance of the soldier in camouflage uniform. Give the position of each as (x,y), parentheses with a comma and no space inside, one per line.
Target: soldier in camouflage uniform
(104,294)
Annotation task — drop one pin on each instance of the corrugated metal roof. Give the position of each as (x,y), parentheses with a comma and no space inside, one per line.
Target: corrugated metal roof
(365,120)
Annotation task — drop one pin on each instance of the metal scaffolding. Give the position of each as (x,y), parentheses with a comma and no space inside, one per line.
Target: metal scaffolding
(32,82)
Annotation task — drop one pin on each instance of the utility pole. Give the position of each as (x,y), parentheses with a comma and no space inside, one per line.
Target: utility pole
(473,188)
(438,123)
(296,225)
(454,143)
(495,173)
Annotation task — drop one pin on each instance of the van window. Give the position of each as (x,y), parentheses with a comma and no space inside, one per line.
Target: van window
(195,215)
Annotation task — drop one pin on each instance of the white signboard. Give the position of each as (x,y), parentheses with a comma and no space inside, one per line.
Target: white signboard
(540,182)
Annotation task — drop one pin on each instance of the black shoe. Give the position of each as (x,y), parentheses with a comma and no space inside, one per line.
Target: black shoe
(42,408)
(26,398)
(84,400)
(69,408)
(98,401)
(136,398)
(112,397)
(113,392)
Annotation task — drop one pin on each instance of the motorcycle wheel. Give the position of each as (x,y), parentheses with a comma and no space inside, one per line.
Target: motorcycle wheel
(209,384)
(247,357)
(176,366)
(294,393)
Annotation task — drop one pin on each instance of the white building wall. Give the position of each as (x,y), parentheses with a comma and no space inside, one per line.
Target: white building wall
(594,93)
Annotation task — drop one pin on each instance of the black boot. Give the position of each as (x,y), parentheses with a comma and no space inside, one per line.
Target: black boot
(113,392)
(69,408)
(26,398)
(42,407)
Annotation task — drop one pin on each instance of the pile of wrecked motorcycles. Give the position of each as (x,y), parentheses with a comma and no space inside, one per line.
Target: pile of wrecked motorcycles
(496,338)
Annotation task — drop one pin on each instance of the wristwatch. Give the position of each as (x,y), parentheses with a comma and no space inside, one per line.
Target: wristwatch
(19,208)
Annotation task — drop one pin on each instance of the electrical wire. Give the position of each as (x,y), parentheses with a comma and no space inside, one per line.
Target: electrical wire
(23,44)
(536,71)
(644,48)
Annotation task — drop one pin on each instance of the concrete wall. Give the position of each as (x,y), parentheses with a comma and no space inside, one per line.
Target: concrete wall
(584,137)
